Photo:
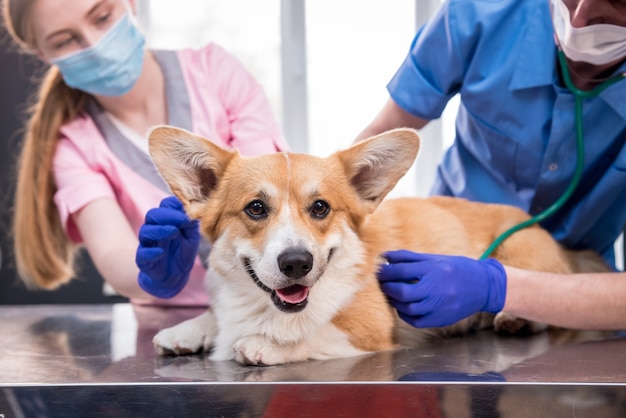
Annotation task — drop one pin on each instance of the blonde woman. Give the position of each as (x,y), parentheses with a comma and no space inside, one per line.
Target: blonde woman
(85,177)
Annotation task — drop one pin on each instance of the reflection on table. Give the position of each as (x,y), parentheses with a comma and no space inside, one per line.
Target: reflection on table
(101,358)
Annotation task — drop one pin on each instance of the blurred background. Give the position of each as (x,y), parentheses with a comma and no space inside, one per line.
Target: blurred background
(323,64)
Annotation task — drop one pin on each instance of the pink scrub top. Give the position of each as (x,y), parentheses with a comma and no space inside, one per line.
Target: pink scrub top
(227,106)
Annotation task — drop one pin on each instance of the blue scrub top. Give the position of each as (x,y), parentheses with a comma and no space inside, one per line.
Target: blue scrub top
(515,139)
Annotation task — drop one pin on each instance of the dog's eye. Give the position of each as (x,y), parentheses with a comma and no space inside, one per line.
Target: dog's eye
(320,209)
(256,209)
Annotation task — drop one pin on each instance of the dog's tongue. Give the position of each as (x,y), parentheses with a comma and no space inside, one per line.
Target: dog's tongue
(293,294)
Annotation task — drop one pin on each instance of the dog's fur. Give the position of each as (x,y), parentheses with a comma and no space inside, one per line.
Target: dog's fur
(296,244)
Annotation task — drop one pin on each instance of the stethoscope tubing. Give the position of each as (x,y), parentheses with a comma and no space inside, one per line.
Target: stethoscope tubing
(579,97)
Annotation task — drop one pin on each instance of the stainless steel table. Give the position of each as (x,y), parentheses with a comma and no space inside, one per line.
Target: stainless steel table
(98,360)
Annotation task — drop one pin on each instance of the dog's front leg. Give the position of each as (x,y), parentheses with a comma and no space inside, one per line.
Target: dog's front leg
(263,351)
(191,336)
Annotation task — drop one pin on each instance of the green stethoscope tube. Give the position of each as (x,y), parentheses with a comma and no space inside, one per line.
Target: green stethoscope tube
(579,97)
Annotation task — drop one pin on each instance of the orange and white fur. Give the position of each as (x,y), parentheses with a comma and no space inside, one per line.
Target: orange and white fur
(297,239)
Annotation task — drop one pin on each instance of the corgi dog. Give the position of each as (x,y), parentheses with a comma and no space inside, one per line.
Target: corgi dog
(297,241)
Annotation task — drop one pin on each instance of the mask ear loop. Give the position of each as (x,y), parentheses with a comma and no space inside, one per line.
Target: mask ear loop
(579,97)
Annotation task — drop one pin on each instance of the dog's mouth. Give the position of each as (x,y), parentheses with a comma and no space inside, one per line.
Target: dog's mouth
(288,299)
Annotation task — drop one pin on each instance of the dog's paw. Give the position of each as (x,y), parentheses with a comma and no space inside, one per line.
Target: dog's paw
(505,323)
(188,337)
(257,350)
(169,342)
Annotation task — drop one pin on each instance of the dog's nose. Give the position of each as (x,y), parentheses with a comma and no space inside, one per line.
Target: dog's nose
(295,263)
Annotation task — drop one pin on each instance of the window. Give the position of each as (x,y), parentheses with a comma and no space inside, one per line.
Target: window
(324,64)
(252,36)
(353,50)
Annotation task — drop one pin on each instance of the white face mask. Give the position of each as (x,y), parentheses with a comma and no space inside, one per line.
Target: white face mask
(596,44)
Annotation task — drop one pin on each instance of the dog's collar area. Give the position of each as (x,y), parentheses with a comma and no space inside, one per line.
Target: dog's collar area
(281,304)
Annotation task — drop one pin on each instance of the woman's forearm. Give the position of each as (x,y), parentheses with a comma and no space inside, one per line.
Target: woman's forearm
(112,245)
(118,269)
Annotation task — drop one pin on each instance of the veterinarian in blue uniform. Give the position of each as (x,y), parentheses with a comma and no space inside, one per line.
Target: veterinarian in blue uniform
(516,144)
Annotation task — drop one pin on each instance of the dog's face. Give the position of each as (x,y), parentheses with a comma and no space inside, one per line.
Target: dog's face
(281,220)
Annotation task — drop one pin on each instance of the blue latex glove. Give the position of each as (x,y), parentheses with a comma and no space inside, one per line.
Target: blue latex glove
(168,245)
(430,290)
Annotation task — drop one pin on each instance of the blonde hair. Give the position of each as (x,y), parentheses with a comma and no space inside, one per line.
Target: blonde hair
(44,254)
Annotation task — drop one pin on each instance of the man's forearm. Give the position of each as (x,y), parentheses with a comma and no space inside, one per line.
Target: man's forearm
(580,301)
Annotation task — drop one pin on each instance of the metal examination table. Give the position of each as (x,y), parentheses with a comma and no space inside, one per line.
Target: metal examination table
(98,360)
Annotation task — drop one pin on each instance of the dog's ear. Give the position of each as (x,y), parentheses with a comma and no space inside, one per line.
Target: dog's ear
(375,165)
(191,165)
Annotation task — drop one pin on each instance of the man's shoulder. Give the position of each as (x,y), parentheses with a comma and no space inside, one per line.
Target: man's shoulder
(491,9)
(503,19)
(499,3)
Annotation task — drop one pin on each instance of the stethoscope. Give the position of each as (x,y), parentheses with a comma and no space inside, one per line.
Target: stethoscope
(579,97)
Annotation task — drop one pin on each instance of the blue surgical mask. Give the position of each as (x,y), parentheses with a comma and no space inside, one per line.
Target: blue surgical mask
(111,67)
